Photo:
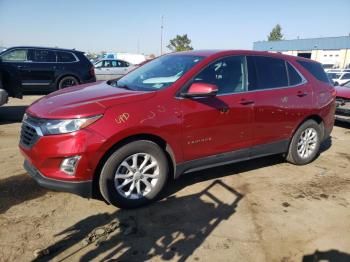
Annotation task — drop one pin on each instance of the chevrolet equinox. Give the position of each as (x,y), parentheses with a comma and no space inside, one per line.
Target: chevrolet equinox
(178,113)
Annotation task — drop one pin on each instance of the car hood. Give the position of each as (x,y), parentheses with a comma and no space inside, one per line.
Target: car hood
(84,100)
(342,91)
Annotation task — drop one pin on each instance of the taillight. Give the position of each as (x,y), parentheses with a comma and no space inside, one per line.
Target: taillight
(92,71)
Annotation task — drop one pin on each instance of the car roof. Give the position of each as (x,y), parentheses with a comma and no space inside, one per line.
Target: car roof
(219,53)
(43,47)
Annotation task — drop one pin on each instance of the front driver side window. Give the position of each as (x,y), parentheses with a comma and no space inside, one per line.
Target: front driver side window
(227,74)
(15,55)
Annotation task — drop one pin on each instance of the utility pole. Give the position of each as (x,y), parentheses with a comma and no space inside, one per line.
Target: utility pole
(161,34)
(138,45)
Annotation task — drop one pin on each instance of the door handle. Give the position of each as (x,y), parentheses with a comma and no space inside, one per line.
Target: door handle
(20,67)
(246,101)
(301,93)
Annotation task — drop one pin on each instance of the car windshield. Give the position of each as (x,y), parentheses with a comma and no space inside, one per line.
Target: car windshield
(158,73)
(334,75)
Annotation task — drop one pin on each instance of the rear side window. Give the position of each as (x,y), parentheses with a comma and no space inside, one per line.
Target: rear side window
(41,55)
(122,63)
(293,76)
(65,57)
(270,73)
(346,76)
(316,70)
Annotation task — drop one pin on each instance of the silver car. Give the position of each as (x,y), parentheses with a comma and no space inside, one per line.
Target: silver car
(107,69)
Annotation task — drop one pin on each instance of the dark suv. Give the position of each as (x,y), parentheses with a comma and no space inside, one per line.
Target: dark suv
(44,69)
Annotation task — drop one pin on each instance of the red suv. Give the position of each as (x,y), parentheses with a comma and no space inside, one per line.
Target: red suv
(178,113)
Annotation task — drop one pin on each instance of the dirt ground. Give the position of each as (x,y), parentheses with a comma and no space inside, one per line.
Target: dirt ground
(260,210)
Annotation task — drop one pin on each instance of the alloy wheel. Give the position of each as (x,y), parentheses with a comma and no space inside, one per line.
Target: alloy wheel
(307,143)
(136,176)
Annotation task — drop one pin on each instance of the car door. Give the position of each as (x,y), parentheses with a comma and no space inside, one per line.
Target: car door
(14,62)
(39,74)
(122,67)
(104,70)
(281,99)
(116,70)
(99,70)
(215,125)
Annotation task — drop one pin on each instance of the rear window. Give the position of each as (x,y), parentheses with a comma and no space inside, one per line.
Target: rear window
(270,72)
(65,57)
(316,70)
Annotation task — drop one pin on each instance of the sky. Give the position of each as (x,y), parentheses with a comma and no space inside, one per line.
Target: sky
(134,25)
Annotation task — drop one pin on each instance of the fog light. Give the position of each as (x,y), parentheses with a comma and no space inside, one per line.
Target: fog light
(69,165)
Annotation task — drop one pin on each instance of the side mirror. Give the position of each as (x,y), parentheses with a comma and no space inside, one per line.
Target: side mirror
(201,90)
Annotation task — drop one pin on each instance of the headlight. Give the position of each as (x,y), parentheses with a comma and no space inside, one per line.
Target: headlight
(55,127)
(25,117)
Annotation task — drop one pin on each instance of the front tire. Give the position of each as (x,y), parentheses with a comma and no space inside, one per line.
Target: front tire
(134,174)
(305,143)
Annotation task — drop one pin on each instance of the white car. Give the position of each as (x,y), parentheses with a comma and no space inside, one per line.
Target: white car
(339,77)
(107,69)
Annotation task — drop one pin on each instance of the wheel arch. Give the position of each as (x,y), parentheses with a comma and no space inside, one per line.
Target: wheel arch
(169,153)
(318,119)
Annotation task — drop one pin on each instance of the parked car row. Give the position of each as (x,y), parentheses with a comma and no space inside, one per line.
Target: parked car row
(342,112)
(41,69)
(31,69)
(178,113)
(107,69)
(339,76)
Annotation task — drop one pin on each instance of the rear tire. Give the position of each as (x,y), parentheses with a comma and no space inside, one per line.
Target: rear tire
(305,143)
(67,81)
(134,174)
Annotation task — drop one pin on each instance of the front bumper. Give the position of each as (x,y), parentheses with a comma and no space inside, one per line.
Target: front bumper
(81,188)
(342,112)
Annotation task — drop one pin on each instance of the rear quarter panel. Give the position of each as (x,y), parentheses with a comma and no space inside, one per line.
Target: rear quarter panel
(323,102)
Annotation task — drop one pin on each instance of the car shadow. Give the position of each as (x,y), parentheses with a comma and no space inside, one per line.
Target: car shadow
(171,229)
(17,189)
(325,145)
(11,114)
(329,256)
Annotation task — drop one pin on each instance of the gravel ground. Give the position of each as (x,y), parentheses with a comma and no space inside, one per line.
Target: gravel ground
(260,210)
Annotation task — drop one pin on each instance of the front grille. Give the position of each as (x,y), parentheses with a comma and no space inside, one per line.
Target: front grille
(29,135)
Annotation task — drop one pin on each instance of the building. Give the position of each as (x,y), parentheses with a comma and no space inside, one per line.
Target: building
(332,52)
(128,57)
